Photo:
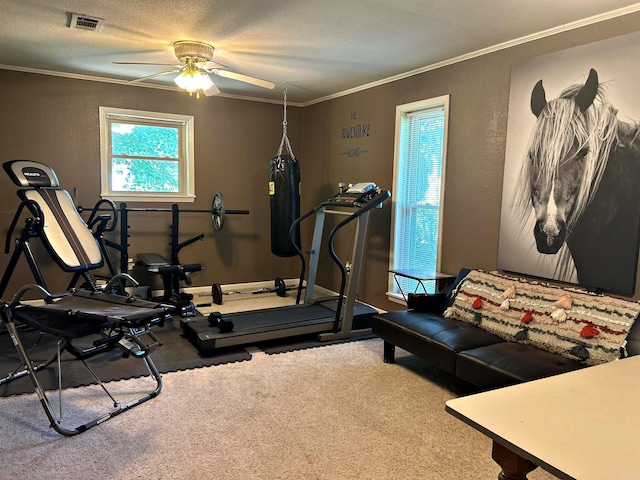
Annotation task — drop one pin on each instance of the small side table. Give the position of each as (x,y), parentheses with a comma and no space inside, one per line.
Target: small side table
(443,281)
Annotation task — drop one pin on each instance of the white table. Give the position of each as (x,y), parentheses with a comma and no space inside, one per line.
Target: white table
(580,425)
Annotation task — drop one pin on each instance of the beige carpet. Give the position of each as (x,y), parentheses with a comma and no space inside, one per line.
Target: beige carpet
(334,412)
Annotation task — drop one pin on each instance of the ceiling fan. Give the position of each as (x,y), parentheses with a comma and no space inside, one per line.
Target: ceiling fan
(196,63)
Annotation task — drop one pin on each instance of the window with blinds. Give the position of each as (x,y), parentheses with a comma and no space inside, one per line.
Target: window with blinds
(419,166)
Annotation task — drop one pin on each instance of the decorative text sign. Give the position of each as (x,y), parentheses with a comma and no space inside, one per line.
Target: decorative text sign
(353,135)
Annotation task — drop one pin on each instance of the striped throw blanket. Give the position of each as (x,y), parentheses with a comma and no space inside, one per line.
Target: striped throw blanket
(577,324)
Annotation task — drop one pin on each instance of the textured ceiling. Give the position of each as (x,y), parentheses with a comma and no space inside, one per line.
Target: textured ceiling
(319,48)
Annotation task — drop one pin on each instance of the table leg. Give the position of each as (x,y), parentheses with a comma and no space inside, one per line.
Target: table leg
(395,278)
(514,467)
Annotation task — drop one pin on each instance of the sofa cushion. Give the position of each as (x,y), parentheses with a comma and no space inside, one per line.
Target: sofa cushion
(434,338)
(571,322)
(508,363)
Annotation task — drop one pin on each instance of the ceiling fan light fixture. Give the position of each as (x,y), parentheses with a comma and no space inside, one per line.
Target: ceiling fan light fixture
(193,80)
(196,62)
(187,50)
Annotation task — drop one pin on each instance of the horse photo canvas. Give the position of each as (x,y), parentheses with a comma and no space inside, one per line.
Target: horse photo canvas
(571,192)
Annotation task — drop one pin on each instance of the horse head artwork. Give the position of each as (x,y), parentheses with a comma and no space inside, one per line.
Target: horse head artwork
(581,178)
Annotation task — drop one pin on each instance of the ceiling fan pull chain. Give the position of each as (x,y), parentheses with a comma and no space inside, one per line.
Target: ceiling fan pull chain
(285,138)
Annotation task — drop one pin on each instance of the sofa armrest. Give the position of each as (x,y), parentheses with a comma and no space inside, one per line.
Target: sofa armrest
(424,302)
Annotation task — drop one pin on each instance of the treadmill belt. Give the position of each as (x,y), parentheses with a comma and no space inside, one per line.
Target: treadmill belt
(259,325)
(280,316)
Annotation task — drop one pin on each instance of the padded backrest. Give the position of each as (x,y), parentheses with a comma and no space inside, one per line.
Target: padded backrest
(65,234)
(29,173)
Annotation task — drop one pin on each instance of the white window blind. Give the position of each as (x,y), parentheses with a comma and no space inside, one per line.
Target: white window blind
(418,190)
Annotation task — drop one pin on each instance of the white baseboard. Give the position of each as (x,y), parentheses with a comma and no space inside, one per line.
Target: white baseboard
(248,286)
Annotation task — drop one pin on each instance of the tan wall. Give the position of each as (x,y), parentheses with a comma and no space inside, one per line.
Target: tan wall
(479,96)
(55,120)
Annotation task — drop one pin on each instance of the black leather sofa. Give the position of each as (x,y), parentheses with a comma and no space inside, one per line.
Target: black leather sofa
(467,351)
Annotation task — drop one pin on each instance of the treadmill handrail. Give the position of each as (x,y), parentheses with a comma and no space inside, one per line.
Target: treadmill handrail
(372,203)
(292,229)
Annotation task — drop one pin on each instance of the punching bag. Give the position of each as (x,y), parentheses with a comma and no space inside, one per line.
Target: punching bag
(284,197)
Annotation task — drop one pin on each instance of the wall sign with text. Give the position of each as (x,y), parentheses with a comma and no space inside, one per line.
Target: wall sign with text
(353,138)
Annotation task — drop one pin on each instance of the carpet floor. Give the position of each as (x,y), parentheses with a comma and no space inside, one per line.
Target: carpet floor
(335,412)
(329,412)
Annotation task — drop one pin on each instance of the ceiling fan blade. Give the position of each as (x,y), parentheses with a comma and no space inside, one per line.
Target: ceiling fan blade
(211,91)
(245,78)
(147,63)
(149,77)
(211,64)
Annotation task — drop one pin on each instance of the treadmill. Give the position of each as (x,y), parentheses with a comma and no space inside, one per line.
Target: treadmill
(330,318)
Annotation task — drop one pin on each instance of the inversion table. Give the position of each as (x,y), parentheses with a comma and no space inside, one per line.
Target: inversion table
(84,322)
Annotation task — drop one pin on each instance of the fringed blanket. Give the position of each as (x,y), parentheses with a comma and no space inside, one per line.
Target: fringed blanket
(588,327)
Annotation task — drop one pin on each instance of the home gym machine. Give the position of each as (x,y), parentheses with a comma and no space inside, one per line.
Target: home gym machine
(172,271)
(327,318)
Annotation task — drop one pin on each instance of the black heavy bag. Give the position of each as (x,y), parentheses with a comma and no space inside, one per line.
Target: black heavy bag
(284,196)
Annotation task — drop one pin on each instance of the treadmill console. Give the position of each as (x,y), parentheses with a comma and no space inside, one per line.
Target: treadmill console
(357,195)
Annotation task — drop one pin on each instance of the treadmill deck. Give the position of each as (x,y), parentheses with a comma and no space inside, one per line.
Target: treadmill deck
(268,324)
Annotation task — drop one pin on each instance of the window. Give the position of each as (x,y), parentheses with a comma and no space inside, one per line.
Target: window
(146,156)
(418,190)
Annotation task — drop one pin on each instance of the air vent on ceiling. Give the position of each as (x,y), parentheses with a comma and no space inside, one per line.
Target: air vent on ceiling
(85,22)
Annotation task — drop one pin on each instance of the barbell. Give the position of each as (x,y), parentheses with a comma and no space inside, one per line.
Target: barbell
(279,287)
(217,211)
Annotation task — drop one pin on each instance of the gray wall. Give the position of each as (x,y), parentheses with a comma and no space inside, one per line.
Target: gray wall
(479,96)
(55,120)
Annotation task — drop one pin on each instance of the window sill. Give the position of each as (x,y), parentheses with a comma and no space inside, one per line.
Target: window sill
(141,197)
(396,298)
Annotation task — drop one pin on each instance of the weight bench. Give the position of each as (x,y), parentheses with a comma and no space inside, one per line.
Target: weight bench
(83,322)
(172,274)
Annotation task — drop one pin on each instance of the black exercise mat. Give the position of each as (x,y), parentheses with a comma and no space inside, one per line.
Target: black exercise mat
(176,353)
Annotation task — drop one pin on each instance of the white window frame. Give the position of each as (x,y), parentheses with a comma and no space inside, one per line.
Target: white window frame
(402,113)
(185,124)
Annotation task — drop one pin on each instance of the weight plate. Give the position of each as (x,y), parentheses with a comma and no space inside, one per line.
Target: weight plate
(280,287)
(217,211)
(216,293)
